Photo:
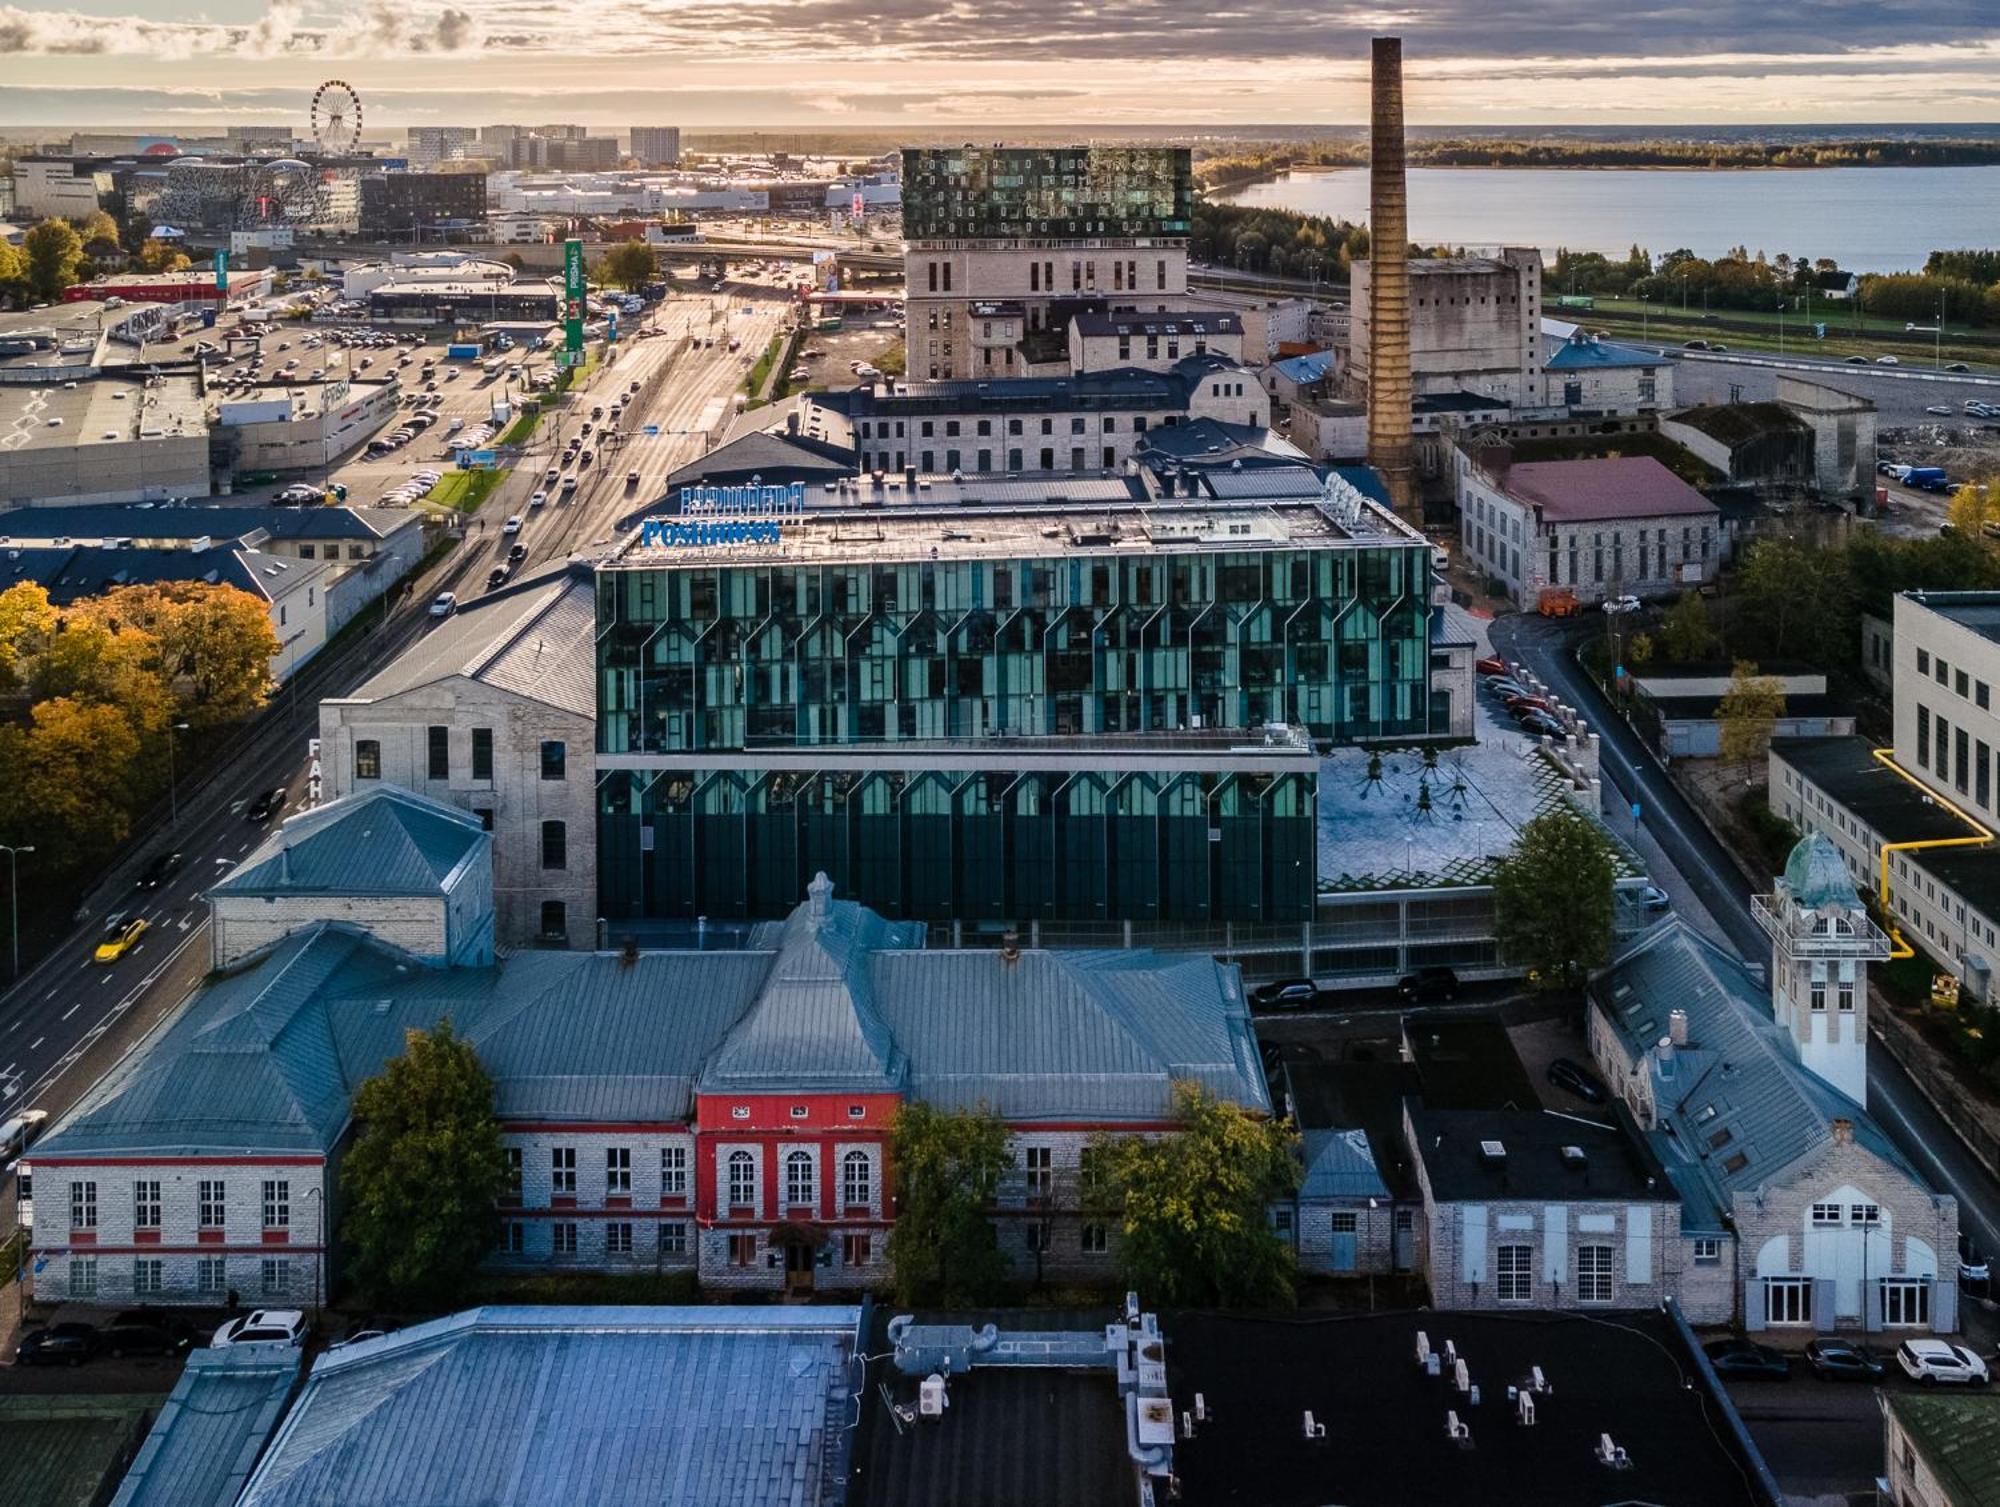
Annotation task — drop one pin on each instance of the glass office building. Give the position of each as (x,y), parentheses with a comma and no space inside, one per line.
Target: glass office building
(1007,193)
(999,715)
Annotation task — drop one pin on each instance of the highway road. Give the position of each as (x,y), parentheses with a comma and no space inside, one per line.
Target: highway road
(1544,645)
(68,1018)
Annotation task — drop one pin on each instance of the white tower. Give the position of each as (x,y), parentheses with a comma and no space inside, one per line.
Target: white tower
(1822,944)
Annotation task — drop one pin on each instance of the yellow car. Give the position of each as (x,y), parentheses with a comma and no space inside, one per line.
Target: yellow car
(121,941)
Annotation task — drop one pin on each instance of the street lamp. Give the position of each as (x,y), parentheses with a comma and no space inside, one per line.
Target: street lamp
(173,779)
(14,898)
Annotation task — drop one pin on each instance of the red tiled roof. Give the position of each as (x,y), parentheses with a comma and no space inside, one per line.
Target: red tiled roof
(1625,486)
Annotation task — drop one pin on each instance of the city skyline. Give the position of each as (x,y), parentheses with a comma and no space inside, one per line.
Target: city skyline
(826,63)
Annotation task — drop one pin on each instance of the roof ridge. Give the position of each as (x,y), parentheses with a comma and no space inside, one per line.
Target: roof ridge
(508,637)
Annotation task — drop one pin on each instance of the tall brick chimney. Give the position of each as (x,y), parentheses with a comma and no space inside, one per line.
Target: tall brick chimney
(1389,283)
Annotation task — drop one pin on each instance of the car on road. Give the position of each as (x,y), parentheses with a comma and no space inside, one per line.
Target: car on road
(1694,345)
(538,499)
(144,1331)
(798,374)
(1943,410)
(1566,1075)
(551,474)
(1934,1361)
(1493,664)
(1428,984)
(1956,366)
(121,940)
(1842,1360)
(159,871)
(512,525)
(496,577)
(583,460)
(1616,605)
(1747,1358)
(58,1345)
(267,805)
(1857,360)
(631,479)
(1284,994)
(19,1133)
(262,1326)
(444,604)
(1887,361)
(517,554)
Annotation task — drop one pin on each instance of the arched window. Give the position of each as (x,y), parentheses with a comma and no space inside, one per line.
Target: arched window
(742,1180)
(857,1180)
(799,1179)
(1842,927)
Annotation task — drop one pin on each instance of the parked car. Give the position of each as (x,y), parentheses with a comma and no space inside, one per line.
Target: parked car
(267,805)
(1616,605)
(1747,1358)
(1428,984)
(1842,1360)
(1284,994)
(1527,703)
(1541,724)
(1934,1361)
(1652,897)
(1566,1075)
(159,871)
(1973,1272)
(121,940)
(1492,664)
(263,1326)
(58,1345)
(1502,687)
(144,1331)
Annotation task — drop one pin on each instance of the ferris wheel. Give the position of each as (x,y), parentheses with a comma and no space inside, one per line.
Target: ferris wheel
(336,117)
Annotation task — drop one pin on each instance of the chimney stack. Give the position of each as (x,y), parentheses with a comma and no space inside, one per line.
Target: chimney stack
(1677,1027)
(1389,283)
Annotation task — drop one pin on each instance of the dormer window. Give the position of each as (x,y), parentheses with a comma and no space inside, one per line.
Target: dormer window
(739,1111)
(798,1111)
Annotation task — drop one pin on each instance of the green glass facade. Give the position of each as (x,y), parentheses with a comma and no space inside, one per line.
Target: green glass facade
(704,666)
(1066,193)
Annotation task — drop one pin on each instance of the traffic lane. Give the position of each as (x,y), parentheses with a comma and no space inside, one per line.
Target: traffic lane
(1913,1124)
(1899,401)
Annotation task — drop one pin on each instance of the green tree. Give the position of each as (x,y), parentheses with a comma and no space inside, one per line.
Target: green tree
(52,252)
(947,1165)
(1748,710)
(1552,899)
(1193,1206)
(630,265)
(422,1183)
(1794,599)
(1685,635)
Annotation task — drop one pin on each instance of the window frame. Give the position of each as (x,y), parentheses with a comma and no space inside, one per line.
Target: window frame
(277,1203)
(1514,1273)
(740,1171)
(1596,1273)
(857,1180)
(554,754)
(367,758)
(673,1172)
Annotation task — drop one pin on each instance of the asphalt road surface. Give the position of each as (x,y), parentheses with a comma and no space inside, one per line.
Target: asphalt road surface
(1543,644)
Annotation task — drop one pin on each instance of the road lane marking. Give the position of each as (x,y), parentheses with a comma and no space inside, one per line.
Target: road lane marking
(72,1010)
(36,1042)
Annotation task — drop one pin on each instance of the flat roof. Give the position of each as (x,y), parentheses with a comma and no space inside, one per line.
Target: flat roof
(1973,872)
(1631,1375)
(916,531)
(1502,1156)
(1881,799)
(1977,610)
(100,411)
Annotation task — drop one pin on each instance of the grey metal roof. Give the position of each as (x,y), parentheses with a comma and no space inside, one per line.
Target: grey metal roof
(1340,1164)
(383,840)
(1736,1107)
(534,641)
(523,1407)
(199,521)
(88,572)
(212,1428)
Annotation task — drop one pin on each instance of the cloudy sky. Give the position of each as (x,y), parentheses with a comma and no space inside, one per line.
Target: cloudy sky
(981,62)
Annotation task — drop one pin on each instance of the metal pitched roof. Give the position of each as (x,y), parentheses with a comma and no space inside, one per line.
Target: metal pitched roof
(1600,355)
(1340,1164)
(534,641)
(1736,1106)
(212,1428)
(1959,1438)
(380,841)
(519,1407)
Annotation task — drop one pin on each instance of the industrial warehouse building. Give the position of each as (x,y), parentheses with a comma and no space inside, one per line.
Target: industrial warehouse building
(117,436)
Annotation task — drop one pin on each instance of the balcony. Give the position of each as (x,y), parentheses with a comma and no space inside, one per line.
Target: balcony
(1863,941)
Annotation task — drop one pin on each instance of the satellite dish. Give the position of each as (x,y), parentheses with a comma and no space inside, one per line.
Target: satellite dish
(336,118)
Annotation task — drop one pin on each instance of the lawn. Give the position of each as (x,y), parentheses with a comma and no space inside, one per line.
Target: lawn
(464,491)
(519,431)
(1756,329)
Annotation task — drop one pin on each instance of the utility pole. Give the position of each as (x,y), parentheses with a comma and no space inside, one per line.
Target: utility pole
(14,899)
(173,781)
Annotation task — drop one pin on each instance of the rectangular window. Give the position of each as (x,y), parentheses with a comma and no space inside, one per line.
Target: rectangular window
(1962,756)
(482,753)
(1593,1274)
(146,1205)
(210,1202)
(618,1238)
(1818,994)
(1707,1251)
(1826,1216)
(742,1250)
(1787,1300)
(514,1238)
(555,759)
(617,1170)
(1906,1305)
(1041,1172)
(83,1276)
(367,759)
(562,1169)
(801,1190)
(211,1276)
(277,1204)
(1924,736)
(742,1180)
(277,1276)
(513,1158)
(673,1172)
(555,845)
(440,753)
(857,1250)
(1514,1273)
(1958,682)
(146,1276)
(1923,661)
(562,1238)
(555,920)
(857,1180)
(673,1238)
(1092,1240)
(1863,1215)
